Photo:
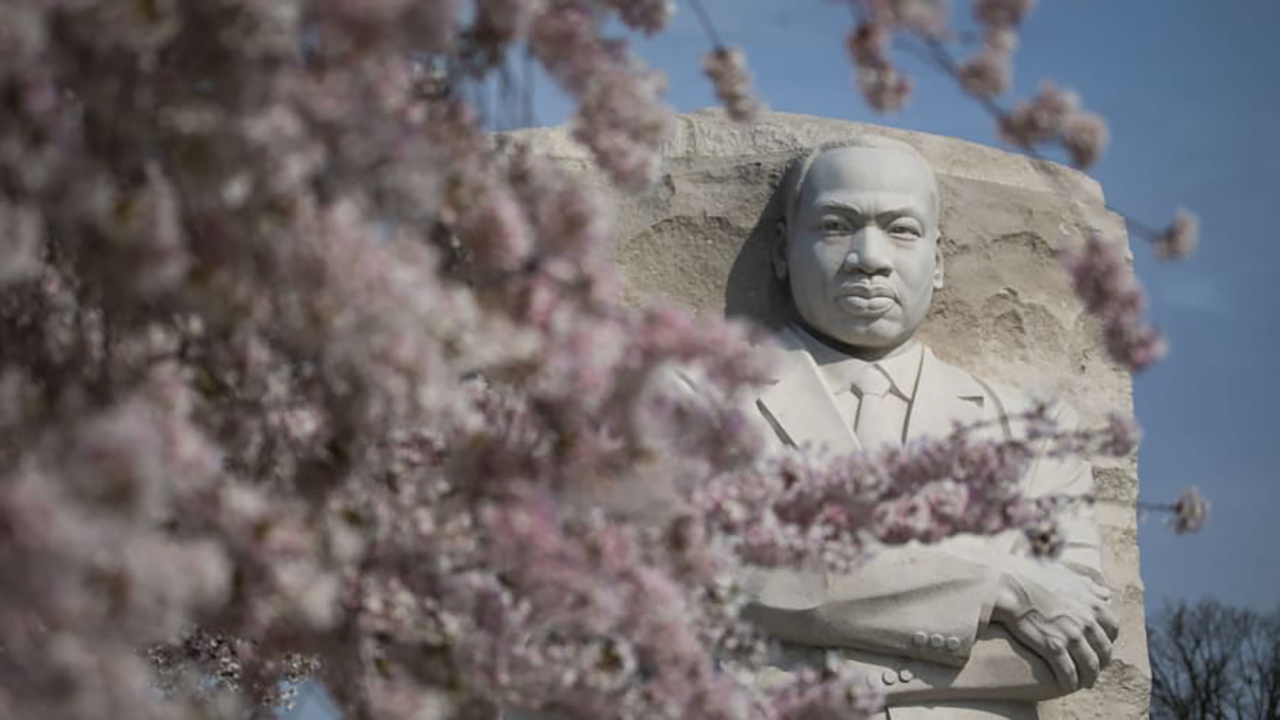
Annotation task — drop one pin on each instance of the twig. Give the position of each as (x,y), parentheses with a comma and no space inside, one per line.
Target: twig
(947,64)
(705,20)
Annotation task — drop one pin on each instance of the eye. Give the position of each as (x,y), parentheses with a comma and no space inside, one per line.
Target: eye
(905,227)
(832,225)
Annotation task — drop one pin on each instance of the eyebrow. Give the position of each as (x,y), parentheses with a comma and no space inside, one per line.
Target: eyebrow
(890,214)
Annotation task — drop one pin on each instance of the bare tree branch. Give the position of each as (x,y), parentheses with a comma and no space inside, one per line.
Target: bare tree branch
(1210,661)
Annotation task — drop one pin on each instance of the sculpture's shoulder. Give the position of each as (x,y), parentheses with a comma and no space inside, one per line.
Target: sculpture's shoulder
(783,340)
(1013,413)
(1001,400)
(1019,403)
(786,353)
(954,376)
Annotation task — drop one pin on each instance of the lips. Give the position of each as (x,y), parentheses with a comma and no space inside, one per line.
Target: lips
(865,300)
(867,291)
(863,306)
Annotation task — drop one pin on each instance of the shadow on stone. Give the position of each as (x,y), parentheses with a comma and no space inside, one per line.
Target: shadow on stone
(751,291)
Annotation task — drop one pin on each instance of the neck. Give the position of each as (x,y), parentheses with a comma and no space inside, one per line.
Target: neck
(868,354)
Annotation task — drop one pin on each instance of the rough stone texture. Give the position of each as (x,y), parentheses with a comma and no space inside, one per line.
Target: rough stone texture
(701,237)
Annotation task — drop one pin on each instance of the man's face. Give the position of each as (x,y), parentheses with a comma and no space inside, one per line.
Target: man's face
(862,250)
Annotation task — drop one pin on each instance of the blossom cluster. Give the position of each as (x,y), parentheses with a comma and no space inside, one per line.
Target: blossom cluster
(647,16)
(1179,239)
(803,507)
(619,116)
(1106,285)
(1190,512)
(727,68)
(989,73)
(885,87)
(1055,114)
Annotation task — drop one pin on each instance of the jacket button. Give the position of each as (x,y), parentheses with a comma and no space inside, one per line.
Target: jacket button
(953,644)
(936,641)
(921,638)
(889,677)
(906,675)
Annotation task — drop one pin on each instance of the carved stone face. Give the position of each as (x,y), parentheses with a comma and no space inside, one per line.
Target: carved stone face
(861,253)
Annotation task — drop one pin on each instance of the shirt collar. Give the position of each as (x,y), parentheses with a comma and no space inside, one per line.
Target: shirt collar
(837,368)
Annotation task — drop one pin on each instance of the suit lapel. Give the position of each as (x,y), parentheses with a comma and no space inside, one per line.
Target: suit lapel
(944,396)
(801,406)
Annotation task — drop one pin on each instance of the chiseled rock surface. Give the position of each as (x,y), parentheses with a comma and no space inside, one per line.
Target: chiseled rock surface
(700,237)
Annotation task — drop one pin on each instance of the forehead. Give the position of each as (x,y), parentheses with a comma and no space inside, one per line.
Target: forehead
(897,174)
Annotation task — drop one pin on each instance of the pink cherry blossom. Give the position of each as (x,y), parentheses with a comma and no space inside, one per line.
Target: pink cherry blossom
(1040,119)
(618,117)
(928,17)
(1002,13)
(1180,238)
(1105,284)
(1121,436)
(648,16)
(986,74)
(1190,512)
(885,89)
(868,45)
(727,68)
(20,230)
(1085,136)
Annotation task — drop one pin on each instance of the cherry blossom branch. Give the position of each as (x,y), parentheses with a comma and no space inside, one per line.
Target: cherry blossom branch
(1187,515)
(1049,119)
(727,69)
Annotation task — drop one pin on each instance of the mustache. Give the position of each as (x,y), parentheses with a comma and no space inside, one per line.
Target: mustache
(866,288)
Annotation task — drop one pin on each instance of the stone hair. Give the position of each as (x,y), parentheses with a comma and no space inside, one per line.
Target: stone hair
(793,181)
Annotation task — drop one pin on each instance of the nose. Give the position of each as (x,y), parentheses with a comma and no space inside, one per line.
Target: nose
(868,253)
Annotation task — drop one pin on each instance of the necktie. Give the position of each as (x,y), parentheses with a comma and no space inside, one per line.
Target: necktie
(876,425)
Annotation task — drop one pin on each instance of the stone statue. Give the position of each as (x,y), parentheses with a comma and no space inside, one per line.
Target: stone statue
(967,628)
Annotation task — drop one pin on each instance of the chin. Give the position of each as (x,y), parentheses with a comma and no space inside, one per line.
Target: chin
(868,337)
(870,342)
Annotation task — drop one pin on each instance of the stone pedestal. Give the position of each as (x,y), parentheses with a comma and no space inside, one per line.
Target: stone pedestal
(701,237)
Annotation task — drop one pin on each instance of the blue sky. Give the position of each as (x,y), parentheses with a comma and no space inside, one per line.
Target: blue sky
(1191,90)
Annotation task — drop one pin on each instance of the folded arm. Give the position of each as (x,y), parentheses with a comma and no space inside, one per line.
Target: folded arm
(913,601)
(919,608)
(976,618)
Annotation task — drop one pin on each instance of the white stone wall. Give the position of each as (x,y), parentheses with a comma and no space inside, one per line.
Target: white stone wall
(701,235)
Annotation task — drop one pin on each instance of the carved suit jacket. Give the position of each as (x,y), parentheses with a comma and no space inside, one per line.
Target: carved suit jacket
(915,618)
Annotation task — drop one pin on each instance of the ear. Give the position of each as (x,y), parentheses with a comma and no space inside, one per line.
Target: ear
(939,264)
(779,253)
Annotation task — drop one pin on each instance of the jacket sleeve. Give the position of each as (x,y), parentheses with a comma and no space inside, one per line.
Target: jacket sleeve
(933,603)
(911,601)
(1070,478)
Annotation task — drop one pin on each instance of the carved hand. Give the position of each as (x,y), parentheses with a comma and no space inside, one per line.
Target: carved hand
(1062,616)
